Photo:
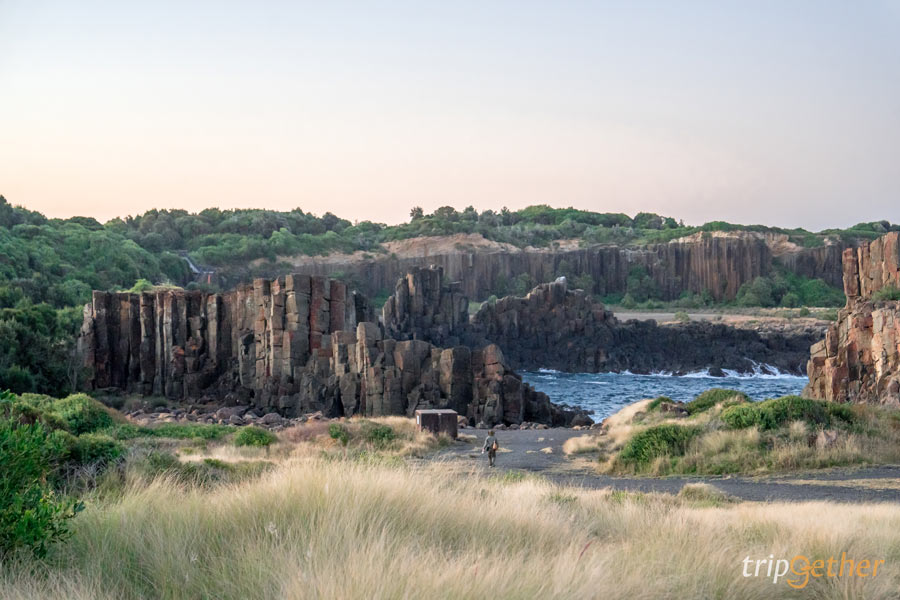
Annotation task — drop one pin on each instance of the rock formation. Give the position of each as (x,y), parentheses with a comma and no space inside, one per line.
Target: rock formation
(559,328)
(859,359)
(302,344)
(423,307)
(181,344)
(717,262)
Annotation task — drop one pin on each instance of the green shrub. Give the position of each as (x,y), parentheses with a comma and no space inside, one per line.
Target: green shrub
(379,435)
(886,294)
(81,413)
(654,404)
(776,412)
(95,447)
(254,436)
(31,516)
(711,397)
(682,317)
(337,432)
(660,440)
(741,416)
(179,431)
(20,411)
(790,300)
(829,315)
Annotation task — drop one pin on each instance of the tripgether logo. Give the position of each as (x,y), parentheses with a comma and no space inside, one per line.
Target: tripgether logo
(801,568)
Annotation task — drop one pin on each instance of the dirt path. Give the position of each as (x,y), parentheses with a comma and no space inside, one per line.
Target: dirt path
(528,451)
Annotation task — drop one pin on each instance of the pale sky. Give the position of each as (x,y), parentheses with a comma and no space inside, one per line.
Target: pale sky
(778,112)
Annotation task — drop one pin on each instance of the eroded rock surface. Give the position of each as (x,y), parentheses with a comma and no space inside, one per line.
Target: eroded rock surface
(302,344)
(559,328)
(859,359)
(564,329)
(717,262)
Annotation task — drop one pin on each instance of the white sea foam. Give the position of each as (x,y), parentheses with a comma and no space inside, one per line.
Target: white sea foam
(760,371)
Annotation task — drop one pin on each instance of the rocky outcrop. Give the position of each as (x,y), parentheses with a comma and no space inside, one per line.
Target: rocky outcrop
(371,375)
(558,328)
(859,359)
(301,344)
(717,262)
(182,344)
(564,329)
(424,307)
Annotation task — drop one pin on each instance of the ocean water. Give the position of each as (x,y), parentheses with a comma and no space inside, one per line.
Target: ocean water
(606,393)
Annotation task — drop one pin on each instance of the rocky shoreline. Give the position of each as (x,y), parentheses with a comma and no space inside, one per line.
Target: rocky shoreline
(299,345)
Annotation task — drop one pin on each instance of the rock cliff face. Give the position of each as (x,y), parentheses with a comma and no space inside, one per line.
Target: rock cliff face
(554,327)
(180,344)
(301,344)
(859,359)
(423,307)
(559,328)
(717,262)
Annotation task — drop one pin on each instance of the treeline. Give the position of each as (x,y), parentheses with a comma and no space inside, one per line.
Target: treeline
(48,267)
(222,238)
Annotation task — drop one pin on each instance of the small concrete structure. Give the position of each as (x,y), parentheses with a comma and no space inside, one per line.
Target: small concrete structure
(437,420)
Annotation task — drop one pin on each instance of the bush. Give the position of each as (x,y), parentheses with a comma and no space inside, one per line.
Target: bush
(886,294)
(741,416)
(31,517)
(180,431)
(337,432)
(779,411)
(711,397)
(829,315)
(95,447)
(81,414)
(660,440)
(22,412)
(682,317)
(654,404)
(254,436)
(379,435)
(790,300)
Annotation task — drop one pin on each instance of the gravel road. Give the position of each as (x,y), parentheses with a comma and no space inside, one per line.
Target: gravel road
(528,451)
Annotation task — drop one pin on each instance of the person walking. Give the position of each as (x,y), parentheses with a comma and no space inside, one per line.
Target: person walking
(490,446)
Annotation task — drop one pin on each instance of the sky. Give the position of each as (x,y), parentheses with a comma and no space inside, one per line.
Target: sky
(775,112)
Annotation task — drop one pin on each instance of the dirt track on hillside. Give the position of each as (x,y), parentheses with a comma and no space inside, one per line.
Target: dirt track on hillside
(528,451)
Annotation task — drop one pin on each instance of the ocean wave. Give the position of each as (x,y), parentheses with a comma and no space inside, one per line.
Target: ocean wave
(760,371)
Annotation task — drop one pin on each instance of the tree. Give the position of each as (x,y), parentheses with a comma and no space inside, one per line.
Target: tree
(416,213)
(31,516)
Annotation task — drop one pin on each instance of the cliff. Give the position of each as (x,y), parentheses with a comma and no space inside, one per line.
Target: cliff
(859,359)
(718,262)
(297,344)
(559,328)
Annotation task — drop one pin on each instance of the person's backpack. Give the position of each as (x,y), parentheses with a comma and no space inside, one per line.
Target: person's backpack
(495,446)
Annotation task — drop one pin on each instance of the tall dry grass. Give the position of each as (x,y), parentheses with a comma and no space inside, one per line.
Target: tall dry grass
(317,527)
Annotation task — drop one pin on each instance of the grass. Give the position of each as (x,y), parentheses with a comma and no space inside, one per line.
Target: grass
(888,293)
(582,444)
(714,396)
(205,431)
(724,434)
(316,528)
(389,436)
